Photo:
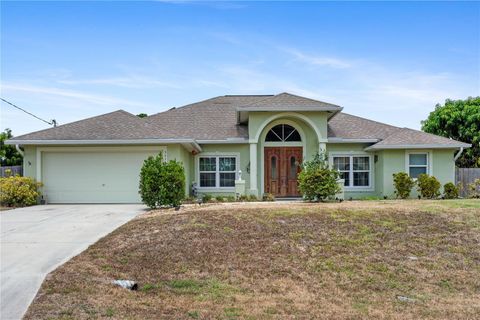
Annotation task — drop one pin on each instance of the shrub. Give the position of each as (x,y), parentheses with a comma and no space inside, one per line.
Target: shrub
(317,181)
(243,198)
(403,184)
(428,186)
(206,198)
(268,197)
(450,191)
(220,198)
(162,183)
(230,198)
(16,191)
(474,189)
(252,198)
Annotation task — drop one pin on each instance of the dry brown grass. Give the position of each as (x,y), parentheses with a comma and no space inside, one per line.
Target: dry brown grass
(279,261)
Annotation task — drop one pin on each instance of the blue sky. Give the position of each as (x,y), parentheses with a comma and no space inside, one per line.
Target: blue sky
(387,61)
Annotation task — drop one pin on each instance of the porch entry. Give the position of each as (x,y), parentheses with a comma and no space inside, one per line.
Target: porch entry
(282,165)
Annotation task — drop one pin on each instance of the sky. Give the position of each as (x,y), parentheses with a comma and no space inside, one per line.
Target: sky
(387,61)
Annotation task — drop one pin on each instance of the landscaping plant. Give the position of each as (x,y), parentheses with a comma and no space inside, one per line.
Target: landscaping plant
(474,189)
(450,191)
(16,191)
(162,183)
(403,184)
(428,186)
(317,181)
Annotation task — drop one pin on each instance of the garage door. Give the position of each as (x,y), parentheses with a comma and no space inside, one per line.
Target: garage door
(92,177)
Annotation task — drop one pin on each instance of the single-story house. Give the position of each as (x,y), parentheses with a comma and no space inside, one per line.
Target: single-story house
(261,138)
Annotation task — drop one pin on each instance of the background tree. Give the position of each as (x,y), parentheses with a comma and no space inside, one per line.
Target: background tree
(142,115)
(459,120)
(9,156)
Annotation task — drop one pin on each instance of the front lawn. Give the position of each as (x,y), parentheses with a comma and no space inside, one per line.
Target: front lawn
(370,259)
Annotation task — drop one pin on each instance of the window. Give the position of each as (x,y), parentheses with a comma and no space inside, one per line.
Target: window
(217,172)
(417,164)
(355,170)
(283,133)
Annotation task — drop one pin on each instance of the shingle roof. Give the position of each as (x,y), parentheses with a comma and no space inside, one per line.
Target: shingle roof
(212,119)
(405,137)
(347,126)
(117,125)
(216,119)
(286,101)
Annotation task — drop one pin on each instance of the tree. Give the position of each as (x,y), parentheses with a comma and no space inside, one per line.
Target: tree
(142,115)
(317,181)
(459,120)
(9,156)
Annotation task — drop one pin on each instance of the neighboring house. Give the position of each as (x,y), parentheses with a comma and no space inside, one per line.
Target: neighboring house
(98,160)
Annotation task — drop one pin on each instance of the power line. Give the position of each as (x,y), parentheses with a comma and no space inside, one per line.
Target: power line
(52,122)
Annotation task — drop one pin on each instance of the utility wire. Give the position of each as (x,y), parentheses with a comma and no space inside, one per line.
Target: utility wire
(52,122)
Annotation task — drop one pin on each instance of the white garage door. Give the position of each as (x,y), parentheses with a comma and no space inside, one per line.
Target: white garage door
(92,177)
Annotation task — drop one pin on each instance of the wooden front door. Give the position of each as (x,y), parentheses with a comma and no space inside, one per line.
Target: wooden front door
(282,165)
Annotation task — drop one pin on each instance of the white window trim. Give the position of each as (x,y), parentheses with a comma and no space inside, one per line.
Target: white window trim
(371,176)
(429,165)
(216,155)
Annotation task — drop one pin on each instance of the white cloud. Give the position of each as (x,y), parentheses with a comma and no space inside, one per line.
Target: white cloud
(74,95)
(318,60)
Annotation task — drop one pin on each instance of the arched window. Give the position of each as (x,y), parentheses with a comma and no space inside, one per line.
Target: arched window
(283,133)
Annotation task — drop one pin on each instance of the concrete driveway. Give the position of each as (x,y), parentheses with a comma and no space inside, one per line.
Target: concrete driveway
(36,240)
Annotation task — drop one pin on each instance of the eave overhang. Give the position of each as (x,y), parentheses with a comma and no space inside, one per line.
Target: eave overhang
(189,144)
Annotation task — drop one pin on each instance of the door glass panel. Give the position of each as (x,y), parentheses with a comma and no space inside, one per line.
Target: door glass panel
(274,168)
(293,168)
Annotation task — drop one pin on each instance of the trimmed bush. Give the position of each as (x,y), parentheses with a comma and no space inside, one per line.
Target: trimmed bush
(403,184)
(162,183)
(16,191)
(317,181)
(428,186)
(450,191)
(220,198)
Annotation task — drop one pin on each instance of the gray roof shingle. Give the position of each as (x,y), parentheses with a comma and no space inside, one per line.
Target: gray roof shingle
(286,101)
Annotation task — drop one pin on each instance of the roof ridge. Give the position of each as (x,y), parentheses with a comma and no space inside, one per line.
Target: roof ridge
(246,105)
(81,120)
(296,95)
(184,106)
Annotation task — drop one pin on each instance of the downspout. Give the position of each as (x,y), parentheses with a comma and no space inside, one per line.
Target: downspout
(458,154)
(17,146)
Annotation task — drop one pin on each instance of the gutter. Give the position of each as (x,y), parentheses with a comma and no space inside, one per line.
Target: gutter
(418,146)
(459,153)
(353,140)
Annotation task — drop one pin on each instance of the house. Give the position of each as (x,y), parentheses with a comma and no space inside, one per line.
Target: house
(263,137)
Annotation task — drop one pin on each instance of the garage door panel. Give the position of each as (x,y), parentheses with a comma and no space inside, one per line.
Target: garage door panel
(92,177)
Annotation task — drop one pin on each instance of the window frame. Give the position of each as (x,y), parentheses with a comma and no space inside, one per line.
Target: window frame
(351,155)
(217,157)
(427,166)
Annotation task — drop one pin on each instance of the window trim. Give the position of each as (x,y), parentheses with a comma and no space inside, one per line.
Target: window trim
(351,155)
(428,166)
(217,156)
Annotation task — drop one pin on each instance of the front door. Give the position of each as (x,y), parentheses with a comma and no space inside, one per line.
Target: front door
(282,165)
